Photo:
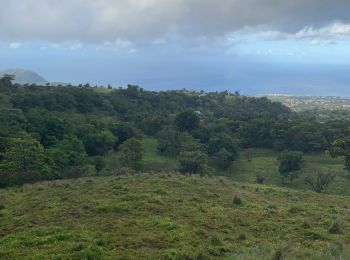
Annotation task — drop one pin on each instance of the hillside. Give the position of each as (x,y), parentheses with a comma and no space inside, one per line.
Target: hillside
(116,165)
(322,107)
(302,103)
(24,76)
(169,217)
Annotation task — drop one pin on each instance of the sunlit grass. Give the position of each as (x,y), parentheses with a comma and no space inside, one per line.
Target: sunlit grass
(168,217)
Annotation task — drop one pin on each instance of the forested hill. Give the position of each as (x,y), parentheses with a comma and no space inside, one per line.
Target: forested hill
(134,103)
(74,131)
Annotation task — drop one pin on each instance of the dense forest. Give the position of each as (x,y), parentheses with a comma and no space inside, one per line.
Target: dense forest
(56,132)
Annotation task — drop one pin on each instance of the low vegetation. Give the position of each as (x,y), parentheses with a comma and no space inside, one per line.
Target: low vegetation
(163,216)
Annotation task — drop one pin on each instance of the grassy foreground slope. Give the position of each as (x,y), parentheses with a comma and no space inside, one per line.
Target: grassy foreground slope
(170,217)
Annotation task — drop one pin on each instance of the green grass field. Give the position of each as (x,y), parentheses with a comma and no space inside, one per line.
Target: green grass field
(152,161)
(150,216)
(264,163)
(163,215)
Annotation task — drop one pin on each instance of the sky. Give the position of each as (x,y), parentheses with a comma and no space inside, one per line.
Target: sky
(255,46)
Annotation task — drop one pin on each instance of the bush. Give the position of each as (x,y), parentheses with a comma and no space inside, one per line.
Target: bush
(335,228)
(306,225)
(320,181)
(294,210)
(130,154)
(290,163)
(237,201)
(224,159)
(216,241)
(242,237)
(260,179)
(192,162)
(124,171)
(313,235)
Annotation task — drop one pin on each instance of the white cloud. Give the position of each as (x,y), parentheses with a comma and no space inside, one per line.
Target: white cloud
(75,47)
(326,35)
(148,20)
(15,45)
(54,45)
(123,43)
(337,29)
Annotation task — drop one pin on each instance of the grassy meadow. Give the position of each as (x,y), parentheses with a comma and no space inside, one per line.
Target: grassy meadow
(150,216)
(264,163)
(163,215)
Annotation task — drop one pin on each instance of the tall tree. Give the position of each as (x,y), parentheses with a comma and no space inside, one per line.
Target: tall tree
(6,81)
(69,156)
(130,154)
(290,163)
(341,147)
(187,120)
(25,161)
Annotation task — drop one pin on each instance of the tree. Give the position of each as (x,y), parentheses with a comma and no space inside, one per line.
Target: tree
(192,162)
(193,158)
(130,154)
(48,128)
(123,131)
(220,141)
(171,142)
(224,159)
(100,164)
(320,181)
(6,81)
(25,161)
(341,147)
(69,156)
(152,124)
(99,143)
(168,142)
(187,120)
(224,148)
(290,163)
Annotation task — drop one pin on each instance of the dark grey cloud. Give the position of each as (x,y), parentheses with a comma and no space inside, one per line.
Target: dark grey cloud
(135,20)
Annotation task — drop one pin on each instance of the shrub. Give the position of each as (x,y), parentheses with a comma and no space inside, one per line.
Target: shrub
(124,171)
(192,162)
(294,210)
(260,179)
(224,159)
(92,252)
(237,201)
(335,228)
(290,163)
(305,225)
(320,181)
(215,241)
(242,237)
(336,249)
(313,235)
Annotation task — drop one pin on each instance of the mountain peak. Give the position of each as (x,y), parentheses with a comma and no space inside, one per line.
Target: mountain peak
(23,76)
